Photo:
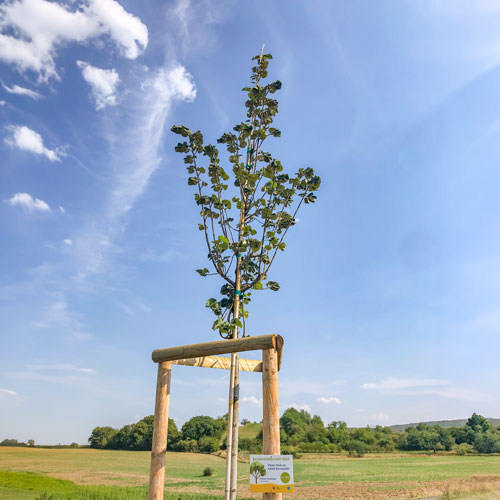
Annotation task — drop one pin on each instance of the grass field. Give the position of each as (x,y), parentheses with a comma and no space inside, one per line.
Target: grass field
(123,475)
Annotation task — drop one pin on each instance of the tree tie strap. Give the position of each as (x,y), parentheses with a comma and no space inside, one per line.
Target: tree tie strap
(238,292)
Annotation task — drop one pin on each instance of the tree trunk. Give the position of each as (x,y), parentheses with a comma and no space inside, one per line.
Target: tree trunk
(232,455)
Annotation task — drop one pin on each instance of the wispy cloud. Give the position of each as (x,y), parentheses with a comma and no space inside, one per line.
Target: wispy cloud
(28,202)
(303,406)
(252,400)
(58,315)
(136,137)
(103,83)
(58,367)
(26,139)
(165,256)
(330,400)
(291,387)
(392,384)
(16,89)
(380,417)
(56,373)
(31,31)
(7,392)
(203,15)
(424,387)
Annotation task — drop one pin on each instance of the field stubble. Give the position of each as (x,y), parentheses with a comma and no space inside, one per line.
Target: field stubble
(381,477)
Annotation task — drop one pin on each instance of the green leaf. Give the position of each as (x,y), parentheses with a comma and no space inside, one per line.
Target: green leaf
(263,188)
(217,323)
(181,130)
(236,322)
(182,147)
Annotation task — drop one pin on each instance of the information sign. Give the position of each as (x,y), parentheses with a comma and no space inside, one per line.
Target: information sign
(271,473)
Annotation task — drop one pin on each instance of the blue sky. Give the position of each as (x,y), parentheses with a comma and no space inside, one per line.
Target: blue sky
(390,283)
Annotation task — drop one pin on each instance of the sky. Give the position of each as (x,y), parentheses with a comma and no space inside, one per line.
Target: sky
(390,284)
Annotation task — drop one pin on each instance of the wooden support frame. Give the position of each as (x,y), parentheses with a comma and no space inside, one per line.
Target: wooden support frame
(204,355)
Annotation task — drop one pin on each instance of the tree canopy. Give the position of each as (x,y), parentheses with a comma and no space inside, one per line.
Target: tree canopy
(248,206)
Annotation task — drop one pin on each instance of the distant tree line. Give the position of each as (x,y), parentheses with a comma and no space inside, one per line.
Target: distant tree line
(31,444)
(199,434)
(15,442)
(303,433)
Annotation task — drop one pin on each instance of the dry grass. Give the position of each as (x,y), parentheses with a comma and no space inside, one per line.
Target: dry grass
(382,477)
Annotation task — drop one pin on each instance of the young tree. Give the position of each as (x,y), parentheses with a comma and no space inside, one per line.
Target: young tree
(257,470)
(246,212)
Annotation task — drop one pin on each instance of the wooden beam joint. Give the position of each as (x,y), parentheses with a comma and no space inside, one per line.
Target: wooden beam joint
(246,365)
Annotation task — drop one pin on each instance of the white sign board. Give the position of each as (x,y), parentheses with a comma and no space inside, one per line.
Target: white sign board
(271,473)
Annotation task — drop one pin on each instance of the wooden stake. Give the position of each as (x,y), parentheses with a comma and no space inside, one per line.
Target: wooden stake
(229,437)
(271,420)
(160,432)
(236,420)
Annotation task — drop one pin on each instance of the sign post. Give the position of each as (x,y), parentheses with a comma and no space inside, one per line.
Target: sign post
(271,474)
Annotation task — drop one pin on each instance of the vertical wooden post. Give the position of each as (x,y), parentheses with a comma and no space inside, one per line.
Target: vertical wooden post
(160,432)
(271,421)
(236,419)
(229,438)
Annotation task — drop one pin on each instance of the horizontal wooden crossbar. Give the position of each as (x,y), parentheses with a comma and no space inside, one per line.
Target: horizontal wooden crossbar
(220,347)
(246,365)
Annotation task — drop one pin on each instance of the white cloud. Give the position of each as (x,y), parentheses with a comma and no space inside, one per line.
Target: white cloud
(8,392)
(27,201)
(137,139)
(380,417)
(192,23)
(165,256)
(103,83)
(125,29)
(329,400)
(304,407)
(68,242)
(62,367)
(61,209)
(291,387)
(424,387)
(252,400)
(393,384)
(16,89)
(26,139)
(57,315)
(32,31)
